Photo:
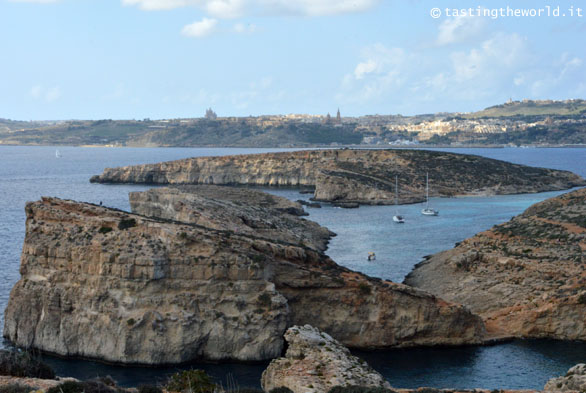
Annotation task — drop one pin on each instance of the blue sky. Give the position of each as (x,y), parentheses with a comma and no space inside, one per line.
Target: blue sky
(94,59)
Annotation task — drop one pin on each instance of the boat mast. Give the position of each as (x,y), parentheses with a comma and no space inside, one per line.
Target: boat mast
(427,190)
(397,194)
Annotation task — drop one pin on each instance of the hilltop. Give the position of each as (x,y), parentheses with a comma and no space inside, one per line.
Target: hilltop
(532,108)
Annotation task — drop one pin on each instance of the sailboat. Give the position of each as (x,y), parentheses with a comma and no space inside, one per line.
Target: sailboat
(57,154)
(397,218)
(428,211)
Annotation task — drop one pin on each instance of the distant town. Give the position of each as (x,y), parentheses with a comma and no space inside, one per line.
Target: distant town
(515,123)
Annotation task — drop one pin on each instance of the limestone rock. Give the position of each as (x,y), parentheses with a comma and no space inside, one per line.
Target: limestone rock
(526,277)
(238,210)
(315,362)
(573,381)
(360,176)
(102,283)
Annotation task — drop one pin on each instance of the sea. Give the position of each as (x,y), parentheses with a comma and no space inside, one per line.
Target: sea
(29,172)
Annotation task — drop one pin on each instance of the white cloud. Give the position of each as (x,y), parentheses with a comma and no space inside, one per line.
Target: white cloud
(242,28)
(49,95)
(36,92)
(35,1)
(53,94)
(459,29)
(364,68)
(493,68)
(382,71)
(496,56)
(154,5)
(224,9)
(204,27)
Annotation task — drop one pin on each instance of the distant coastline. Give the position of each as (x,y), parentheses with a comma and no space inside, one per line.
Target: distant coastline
(515,124)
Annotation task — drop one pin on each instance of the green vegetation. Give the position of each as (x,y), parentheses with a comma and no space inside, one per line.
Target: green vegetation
(364,288)
(265,299)
(24,364)
(92,386)
(104,230)
(126,223)
(16,388)
(532,108)
(190,381)
(149,389)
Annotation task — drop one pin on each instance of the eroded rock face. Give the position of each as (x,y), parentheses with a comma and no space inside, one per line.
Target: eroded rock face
(152,293)
(363,176)
(574,381)
(315,362)
(107,284)
(526,278)
(237,210)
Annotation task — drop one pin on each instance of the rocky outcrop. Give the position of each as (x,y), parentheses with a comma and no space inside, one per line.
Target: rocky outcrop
(107,284)
(526,278)
(361,176)
(37,385)
(238,210)
(315,363)
(573,381)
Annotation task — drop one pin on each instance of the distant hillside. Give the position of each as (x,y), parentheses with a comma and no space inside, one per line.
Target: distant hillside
(533,108)
(7,125)
(514,123)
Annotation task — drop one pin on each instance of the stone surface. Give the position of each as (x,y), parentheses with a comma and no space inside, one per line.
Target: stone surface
(526,277)
(107,284)
(573,381)
(315,362)
(238,210)
(361,176)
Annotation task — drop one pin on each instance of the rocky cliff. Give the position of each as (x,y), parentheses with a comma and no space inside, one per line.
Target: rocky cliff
(526,278)
(573,381)
(363,176)
(122,287)
(238,210)
(315,363)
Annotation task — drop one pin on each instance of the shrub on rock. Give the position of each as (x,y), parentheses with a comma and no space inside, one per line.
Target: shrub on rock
(24,364)
(191,381)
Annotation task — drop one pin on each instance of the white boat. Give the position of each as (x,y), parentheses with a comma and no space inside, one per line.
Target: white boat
(397,217)
(57,154)
(428,211)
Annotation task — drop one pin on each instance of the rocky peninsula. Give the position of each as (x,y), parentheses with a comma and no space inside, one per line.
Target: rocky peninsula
(122,287)
(526,277)
(356,176)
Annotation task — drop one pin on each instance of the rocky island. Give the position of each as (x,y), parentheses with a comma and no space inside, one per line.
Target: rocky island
(123,287)
(357,176)
(526,277)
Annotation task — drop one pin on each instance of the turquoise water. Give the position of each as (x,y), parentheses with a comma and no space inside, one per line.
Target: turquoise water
(26,173)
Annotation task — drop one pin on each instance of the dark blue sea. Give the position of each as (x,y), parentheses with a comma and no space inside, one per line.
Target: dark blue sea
(27,173)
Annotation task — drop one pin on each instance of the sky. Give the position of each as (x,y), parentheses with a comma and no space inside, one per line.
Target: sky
(135,59)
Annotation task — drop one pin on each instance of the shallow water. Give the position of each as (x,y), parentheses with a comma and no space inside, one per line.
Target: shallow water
(26,173)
